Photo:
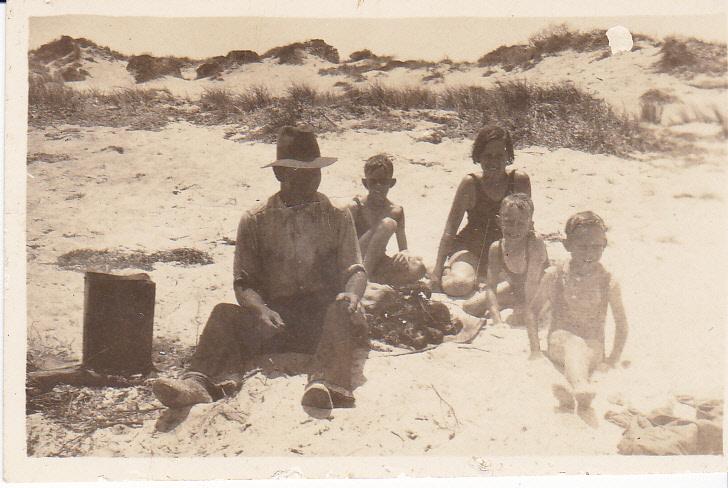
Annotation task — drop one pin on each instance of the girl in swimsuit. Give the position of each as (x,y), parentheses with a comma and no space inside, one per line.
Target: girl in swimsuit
(480,196)
(516,264)
(580,290)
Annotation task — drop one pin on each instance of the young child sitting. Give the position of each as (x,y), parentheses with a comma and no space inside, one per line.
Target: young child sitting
(580,290)
(376,218)
(516,263)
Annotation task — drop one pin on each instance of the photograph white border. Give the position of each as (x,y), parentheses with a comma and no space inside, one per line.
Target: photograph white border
(19,467)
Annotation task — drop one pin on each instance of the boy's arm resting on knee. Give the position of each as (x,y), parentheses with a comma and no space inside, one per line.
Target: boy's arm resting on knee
(400,232)
(620,321)
(349,260)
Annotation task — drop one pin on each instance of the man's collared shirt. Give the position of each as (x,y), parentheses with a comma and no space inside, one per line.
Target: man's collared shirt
(285,251)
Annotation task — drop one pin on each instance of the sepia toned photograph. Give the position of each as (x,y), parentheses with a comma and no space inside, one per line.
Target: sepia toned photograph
(216,261)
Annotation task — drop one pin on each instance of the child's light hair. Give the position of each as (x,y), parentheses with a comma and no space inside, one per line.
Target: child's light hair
(491,133)
(584,219)
(380,161)
(519,200)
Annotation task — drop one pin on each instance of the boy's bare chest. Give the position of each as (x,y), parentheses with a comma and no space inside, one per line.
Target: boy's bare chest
(373,215)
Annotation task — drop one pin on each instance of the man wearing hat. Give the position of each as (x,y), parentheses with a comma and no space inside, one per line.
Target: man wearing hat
(298,279)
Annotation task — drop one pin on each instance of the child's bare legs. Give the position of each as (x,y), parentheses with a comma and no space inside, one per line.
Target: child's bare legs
(459,277)
(579,359)
(478,304)
(373,243)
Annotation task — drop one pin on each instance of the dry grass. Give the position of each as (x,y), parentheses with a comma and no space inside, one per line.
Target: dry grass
(106,260)
(356,69)
(145,67)
(708,115)
(78,412)
(50,103)
(293,53)
(688,57)
(548,42)
(550,115)
(48,158)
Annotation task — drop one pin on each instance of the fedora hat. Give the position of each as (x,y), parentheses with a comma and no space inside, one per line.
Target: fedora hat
(297,148)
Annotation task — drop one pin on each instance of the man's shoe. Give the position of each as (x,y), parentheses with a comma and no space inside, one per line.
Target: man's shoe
(180,393)
(317,395)
(340,400)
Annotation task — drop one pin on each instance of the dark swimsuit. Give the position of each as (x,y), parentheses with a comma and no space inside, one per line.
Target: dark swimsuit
(516,280)
(580,305)
(482,230)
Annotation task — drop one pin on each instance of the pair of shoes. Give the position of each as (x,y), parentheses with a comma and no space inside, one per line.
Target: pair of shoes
(180,393)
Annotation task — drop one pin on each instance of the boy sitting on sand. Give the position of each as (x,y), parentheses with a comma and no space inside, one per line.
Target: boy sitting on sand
(580,289)
(516,263)
(376,218)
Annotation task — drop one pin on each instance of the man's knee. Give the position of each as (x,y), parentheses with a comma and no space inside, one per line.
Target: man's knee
(226,310)
(226,315)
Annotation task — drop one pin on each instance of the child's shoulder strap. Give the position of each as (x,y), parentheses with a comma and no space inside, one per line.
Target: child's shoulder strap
(478,182)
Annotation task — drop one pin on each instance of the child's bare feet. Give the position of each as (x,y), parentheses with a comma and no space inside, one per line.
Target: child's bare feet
(564,396)
(584,399)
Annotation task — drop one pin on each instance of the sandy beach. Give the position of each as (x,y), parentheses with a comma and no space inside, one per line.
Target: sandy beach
(185,186)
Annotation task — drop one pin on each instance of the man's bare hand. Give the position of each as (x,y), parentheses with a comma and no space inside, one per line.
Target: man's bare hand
(271,318)
(351,299)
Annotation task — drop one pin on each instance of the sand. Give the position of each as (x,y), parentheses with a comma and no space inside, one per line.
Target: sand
(186,186)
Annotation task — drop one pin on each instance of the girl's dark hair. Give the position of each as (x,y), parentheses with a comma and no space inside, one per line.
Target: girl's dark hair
(492,133)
